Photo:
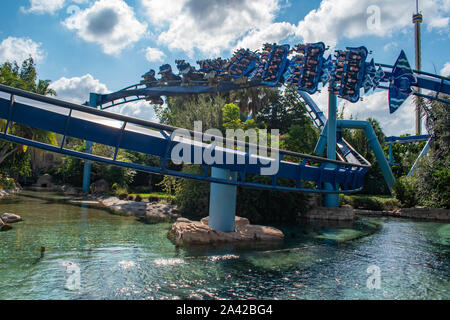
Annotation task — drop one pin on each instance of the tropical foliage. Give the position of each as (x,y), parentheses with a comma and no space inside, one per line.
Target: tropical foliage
(16,159)
(271,109)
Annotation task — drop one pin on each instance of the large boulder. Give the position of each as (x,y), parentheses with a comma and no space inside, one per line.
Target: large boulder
(71,191)
(238,222)
(10,218)
(147,212)
(184,231)
(45,181)
(160,212)
(100,186)
(4,226)
(424,213)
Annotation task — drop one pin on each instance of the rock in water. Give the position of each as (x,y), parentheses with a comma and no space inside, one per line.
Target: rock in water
(185,231)
(100,186)
(45,181)
(4,226)
(10,218)
(71,191)
(238,222)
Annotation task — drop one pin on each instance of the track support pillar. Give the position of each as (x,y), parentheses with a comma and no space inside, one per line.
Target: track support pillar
(222,201)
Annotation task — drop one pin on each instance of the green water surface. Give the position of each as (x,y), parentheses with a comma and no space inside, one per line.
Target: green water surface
(121,258)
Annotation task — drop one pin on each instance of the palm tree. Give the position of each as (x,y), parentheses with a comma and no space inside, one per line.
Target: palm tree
(43,88)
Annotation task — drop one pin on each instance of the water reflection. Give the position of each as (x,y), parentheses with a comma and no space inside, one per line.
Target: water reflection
(121,258)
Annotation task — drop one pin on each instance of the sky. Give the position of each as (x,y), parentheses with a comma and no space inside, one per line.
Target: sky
(101,46)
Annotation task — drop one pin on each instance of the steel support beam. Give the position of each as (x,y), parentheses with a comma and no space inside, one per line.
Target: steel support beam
(87,163)
(222,201)
(331,200)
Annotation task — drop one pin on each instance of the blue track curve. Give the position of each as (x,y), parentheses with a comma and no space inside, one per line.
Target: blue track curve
(121,132)
(346,74)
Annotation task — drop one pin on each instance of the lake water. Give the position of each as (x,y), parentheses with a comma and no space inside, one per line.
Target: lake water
(116,257)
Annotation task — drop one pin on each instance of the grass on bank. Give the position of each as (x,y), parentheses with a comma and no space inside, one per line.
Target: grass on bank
(154,196)
(370,202)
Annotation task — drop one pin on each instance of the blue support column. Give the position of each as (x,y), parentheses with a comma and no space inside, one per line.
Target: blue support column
(222,201)
(391,157)
(87,164)
(422,154)
(331,200)
(374,145)
(321,144)
(87,168)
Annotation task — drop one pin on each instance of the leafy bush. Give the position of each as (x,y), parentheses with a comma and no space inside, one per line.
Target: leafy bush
(71,170)
(405,191)
(119,191)
(122,196)
(267,206)
(368,202)
(433,173)
(191,196)
(259,206)
(6,182)
(433,183)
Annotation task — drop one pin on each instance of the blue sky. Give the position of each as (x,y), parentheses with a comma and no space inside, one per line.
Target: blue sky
(104,45)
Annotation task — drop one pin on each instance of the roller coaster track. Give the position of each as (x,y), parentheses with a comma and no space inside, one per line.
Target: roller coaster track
(122,132)
(346,74)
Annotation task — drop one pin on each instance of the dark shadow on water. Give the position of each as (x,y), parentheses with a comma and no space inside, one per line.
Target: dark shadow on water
(10,200)
(52,197)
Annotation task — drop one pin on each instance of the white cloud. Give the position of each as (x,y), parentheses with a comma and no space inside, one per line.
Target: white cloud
(109,23)
(376,106)
(154,55)
(44,6)
(209,26)
(445,71)
(47,6)
(139,109)
(272,33)
(77,89)
(336,19)
(390,46)
(19,49)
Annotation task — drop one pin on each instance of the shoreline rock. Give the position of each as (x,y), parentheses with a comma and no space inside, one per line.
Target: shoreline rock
(416,213)
(44,181)
(100,187)
(185,231)
(149,212)
(10,218)
(8,192)
(4,226)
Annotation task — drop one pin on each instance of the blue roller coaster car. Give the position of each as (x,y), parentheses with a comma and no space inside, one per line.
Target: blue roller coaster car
(167,76)
(149,79)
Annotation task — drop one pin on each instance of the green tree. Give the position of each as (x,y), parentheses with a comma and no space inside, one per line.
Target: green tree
(278,110)
(183,111)
(374,180)
(24,77)
(432,177)
(284,110)
(404,154)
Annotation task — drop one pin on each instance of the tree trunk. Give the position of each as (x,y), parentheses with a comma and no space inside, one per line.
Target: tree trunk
(5,153)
